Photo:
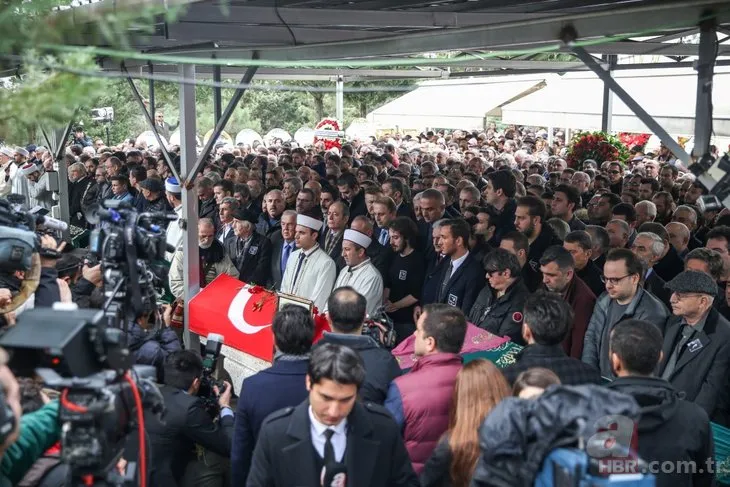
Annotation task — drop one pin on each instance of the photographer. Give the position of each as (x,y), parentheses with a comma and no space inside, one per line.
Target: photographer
(83,280)
(186,422)
(151,344)
(346,314)
(49,290)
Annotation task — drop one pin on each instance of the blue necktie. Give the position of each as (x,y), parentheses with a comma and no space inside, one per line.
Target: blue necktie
(384,237)
(285,257)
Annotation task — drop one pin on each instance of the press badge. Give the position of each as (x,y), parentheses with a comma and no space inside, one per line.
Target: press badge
(402,275)
(253,250)
(453,300)
(694,345)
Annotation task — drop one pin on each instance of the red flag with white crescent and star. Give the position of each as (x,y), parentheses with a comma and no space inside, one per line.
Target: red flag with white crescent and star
(238,311)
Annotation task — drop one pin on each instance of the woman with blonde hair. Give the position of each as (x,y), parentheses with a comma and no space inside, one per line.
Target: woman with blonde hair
(479,387)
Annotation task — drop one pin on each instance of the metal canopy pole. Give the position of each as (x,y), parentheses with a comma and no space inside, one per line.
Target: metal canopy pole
(705,72)
(607,111)
(188,149)
(217,99)
(340,99)
(642,114)
(220,125)
(63,202)
(151,70)
(151,124)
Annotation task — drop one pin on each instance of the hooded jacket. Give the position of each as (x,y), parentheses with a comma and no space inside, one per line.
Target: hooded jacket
(519,433)
(644,306)
(670,430)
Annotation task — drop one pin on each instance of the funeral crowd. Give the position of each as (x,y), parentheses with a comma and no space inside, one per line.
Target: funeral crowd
(606,284)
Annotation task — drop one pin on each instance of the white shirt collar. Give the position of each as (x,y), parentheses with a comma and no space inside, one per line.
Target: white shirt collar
(456,263)
(320,428)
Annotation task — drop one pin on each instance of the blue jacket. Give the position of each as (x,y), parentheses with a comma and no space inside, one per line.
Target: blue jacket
(280,386)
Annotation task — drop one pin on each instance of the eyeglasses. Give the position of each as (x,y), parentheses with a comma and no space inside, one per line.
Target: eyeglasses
(614,280)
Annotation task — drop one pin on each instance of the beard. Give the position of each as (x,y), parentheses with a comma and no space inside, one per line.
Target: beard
(205,245)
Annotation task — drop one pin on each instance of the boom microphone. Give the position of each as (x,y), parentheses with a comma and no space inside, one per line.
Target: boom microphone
(334,475)
(52,223)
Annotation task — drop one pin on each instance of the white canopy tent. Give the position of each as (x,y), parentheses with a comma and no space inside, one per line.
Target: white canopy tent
(454,104)
(669,95)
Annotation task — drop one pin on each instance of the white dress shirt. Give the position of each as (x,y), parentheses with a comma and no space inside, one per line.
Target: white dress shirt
(339,439)
(456,263)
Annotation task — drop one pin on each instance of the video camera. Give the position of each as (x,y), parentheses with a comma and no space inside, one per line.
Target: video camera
(713,174)
(83,353)
(380,328)
(131,247)
(206,391)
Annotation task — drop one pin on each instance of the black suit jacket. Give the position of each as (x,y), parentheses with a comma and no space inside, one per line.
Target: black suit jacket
(358,206)
(406,210)
(375,455)
(335,252)
(463,286)
(172,442)
(655,285)
(275,275)
(703,369)
(253,266)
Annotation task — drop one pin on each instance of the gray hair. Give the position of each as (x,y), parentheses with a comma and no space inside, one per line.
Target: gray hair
(206,222)
(688,209)
(657,244)
(78,166)
(650,207)
(559,226)
(439,223)
(231,201)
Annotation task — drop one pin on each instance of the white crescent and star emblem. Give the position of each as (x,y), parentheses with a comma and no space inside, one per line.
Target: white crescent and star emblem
(235,313)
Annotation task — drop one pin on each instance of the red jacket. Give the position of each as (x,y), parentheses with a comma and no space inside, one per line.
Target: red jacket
(582,300)
(420,402)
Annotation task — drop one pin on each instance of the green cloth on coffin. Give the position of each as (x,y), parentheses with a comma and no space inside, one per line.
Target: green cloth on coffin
(501,356)
(721,436)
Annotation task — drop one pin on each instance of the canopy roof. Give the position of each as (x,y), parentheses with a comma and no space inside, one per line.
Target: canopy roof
(454,104)
(575,101)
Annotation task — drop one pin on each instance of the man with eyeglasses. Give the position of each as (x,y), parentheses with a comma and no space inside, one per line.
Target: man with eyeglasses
(697,345)
(624,298)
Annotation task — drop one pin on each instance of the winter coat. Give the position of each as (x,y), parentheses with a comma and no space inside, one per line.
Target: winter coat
(644,306)
(151,347)
(501,316)
(671,430)
(582,300)
(518,434)
(420,402)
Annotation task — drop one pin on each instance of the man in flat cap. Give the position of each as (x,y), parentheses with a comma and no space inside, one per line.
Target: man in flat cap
(359,272)
(697,345)
(310,273)
(249,250)
(153,198)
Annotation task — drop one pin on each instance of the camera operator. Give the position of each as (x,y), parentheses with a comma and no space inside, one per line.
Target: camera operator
(151,344)
(186,422)
(346,314)
(84,281)
(31,435)
(48,291)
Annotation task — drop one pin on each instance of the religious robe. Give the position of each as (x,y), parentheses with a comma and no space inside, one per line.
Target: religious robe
(315,278)
(175,234)
(366,280)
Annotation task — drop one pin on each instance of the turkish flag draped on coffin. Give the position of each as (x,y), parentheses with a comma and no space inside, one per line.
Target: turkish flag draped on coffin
(241,313)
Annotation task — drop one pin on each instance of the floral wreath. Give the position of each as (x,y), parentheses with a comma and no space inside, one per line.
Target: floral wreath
(598,146)
(329,143)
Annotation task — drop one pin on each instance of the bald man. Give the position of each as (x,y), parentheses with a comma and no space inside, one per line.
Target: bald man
(679,236)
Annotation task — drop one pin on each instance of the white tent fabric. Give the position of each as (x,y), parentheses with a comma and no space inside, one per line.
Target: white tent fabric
(454,104)
(575,100)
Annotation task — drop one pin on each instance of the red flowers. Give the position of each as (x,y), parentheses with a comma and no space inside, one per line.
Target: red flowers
(598,146)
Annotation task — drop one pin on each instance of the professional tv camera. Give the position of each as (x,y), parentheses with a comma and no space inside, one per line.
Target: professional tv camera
(713,174)
(83,353)
(380,328)
(131,247)
(206,391)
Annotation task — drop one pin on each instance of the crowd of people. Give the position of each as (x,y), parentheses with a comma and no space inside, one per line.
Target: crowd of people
(609,275)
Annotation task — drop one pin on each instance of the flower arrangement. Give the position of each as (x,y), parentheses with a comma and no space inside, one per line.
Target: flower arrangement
(632,140)
(598,146)
(329,143)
